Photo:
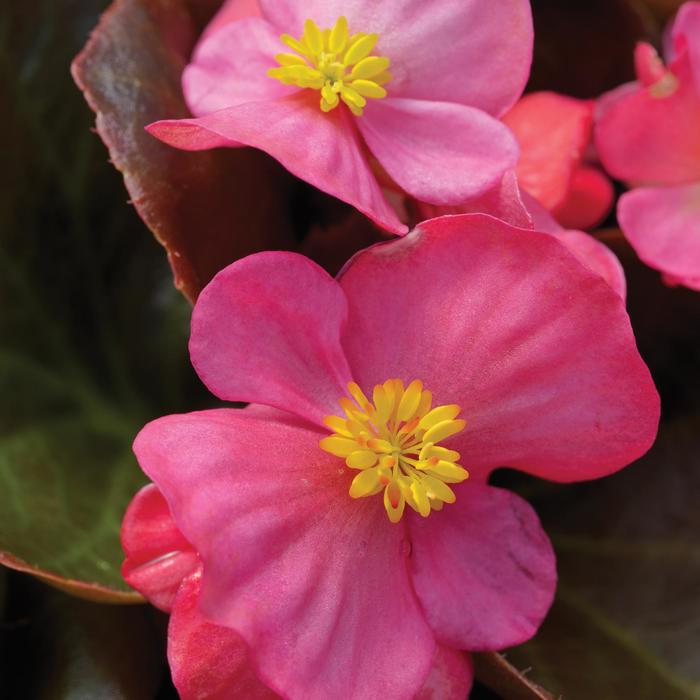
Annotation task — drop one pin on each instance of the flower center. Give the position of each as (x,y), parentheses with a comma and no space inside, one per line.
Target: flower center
(339,65)
(393,442)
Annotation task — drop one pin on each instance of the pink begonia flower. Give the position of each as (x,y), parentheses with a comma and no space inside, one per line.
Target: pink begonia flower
(647,134)
(326,86)
(208,661)
(554,134)
(339,534)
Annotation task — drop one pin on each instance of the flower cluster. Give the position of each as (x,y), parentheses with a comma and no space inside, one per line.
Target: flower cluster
(340,535)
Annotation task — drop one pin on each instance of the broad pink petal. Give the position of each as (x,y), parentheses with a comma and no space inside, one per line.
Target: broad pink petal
(553,132)
(595,255)
(207,661)
(589,200)
(230,67)
(663,226)
(267,330)
(438,152)
(450,676)
(537,350)
(158,557)
(651,137)
(322,149)
(504,201)
(483,569)
(314,581)
(686,35)
(467,51)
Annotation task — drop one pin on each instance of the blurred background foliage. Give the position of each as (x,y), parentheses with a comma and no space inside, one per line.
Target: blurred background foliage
(93,344)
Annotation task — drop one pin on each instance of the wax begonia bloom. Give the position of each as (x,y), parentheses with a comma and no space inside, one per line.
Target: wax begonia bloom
(554,134)
(321,86)
(647,135)
(333,597)
(208,661)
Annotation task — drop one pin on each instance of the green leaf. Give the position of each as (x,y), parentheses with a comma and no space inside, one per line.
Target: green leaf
(93,339)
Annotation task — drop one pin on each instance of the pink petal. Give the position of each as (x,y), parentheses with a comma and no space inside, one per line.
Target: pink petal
(229,68)
(504,201)
(466,51)
(589,200)
(651,135)
(596,256)
(483,569)
(553,132)
(690,282)
(322,149)
(648,65)
(158,557)
(267,330)
(537,350)
(438,152)
(208,662)
(314,581)
(450,676)
(663,226)
(686,35)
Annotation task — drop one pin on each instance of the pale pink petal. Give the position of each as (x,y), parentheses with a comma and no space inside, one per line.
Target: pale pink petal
(158,557)
(450,676)
(663,226)
(483,569)
(467,51)
(230,67)
(589,200)
(322,149)
(553,132)
(438,152)
(231,11)
(267,330)
(595,255)
(537,350)
(650,135)
(686,35)
(314,581)
(504,201)
(207,661)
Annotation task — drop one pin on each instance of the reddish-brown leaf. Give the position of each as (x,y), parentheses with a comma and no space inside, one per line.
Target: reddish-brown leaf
(207,209)
(495,672)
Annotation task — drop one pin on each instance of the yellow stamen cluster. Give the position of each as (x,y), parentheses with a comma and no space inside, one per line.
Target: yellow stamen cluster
(393,442)
(339,65)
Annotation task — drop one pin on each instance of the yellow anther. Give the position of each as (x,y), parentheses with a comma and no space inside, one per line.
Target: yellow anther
(340,66)
(443,430)
(361,459)
(392,442)
(369,67)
